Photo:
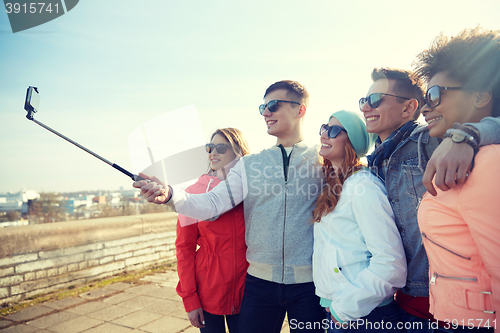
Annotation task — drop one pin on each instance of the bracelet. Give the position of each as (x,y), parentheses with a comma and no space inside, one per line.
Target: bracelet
(473,158)
(459,136)
(170,196)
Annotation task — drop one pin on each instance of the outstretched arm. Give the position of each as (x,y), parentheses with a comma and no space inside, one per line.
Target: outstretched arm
(206,206)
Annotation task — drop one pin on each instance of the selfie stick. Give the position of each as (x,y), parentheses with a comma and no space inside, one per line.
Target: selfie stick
(31,110)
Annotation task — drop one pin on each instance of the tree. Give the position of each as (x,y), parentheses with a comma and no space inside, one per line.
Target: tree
(13,215)
(46,209)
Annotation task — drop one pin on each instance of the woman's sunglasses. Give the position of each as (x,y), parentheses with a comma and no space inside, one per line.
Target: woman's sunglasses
(333,131)
(433,95)
(221,147)
(273,105)
(375,99)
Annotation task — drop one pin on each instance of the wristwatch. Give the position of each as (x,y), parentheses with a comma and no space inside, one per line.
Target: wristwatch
(460,136)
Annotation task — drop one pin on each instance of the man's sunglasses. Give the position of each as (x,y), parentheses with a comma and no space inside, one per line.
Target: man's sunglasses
(273,105)
(333,131)
(221,147)
(433,95)
(375,99)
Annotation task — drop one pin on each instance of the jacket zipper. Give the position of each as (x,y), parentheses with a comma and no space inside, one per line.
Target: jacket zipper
(234,256)
(233,292)
(284,225)
(441,246)
(286,163)
(436,275)
(208,186)
(206,266)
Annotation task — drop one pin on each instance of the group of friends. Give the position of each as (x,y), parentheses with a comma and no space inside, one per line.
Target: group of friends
(336,244)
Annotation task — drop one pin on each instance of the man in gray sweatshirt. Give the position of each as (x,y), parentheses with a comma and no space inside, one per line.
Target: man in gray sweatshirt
(278,188)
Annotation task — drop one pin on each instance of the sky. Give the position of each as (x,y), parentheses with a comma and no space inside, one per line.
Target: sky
(106,67)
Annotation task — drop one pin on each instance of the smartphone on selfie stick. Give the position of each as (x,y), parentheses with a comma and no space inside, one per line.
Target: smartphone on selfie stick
(31,105)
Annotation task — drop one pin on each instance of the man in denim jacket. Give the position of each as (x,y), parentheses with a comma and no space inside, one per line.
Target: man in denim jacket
(401,155)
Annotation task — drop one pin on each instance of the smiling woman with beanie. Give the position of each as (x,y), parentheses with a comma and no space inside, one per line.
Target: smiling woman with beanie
(358,259)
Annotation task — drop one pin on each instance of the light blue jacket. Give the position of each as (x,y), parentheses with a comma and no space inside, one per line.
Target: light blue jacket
(358,258)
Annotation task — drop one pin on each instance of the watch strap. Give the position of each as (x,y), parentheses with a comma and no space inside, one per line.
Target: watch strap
(469,130)
(468,138)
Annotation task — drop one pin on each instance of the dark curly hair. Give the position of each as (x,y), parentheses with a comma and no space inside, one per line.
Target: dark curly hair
(471,58)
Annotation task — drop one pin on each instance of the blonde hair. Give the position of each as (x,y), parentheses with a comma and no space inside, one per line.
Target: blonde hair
(236,139)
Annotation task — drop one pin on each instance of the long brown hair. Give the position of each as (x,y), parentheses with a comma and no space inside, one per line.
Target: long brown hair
(334,180)
(236,139)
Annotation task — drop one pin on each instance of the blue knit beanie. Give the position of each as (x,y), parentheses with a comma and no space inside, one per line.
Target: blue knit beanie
(356,131)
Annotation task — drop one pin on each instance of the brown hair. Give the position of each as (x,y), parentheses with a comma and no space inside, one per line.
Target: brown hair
(294,90)
(236,139)
(406,84)
(334,179)
(471,58)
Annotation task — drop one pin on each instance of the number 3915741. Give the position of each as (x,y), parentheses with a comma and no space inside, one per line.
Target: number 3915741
(31,8)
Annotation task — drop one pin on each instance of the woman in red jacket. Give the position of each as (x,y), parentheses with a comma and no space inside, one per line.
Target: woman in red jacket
(211,255)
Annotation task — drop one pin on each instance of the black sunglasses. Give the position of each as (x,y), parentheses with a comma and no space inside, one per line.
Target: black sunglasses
(333,131)
(273,105)
(221,147)
(375,99)
(433,95)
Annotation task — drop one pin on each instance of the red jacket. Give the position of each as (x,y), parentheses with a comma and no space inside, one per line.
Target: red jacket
(212,277)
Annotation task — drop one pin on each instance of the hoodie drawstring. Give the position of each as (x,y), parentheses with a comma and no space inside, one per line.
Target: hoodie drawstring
(419,149)
(209,182)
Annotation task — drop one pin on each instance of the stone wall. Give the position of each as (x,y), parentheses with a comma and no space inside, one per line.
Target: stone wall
(40,258)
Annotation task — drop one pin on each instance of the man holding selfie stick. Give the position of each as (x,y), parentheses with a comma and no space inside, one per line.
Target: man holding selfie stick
(278,188)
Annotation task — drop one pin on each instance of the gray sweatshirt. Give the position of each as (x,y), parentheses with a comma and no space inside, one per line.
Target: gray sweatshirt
(489,130)
(278,209)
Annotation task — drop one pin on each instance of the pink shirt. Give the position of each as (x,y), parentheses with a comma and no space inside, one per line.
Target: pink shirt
(461,234)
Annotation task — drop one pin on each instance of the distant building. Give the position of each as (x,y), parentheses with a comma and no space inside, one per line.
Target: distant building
(17,201)
(101,199)
(130,193)
(77,203)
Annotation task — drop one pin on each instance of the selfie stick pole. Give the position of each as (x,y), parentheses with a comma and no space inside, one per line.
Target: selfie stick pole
(116,166)
(31,95)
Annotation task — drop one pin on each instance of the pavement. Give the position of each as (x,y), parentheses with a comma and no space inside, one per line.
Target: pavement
(151,306)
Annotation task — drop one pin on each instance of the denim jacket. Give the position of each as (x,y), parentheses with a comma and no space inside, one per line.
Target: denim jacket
(404,171)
